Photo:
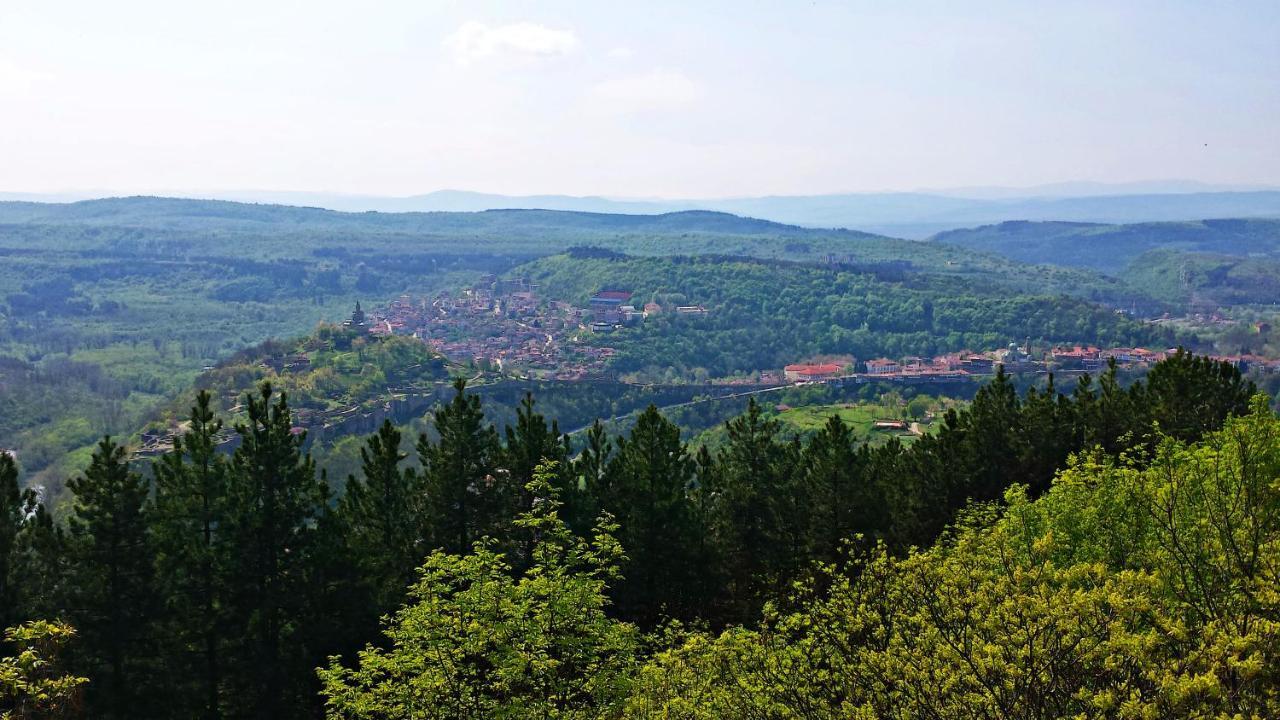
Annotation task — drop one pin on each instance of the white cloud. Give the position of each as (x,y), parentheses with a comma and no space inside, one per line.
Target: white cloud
(657,89)
(621,53)
(477,41)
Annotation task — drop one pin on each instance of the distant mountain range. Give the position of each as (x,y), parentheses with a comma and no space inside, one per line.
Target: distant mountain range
(899,214)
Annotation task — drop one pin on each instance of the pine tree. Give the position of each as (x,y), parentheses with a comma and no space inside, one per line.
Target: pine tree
(113,601)
(756,474)
(1116,419)
(188,518)
(992,442)
(707,589)
(12,519)
(274,504)
(41,560)
(530,443)
(1189,395)
(839,497)
(382,514)
(649,480)
(1051,431)
(466,499)
(590,470)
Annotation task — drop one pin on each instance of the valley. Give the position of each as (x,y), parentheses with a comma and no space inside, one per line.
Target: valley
(114,309)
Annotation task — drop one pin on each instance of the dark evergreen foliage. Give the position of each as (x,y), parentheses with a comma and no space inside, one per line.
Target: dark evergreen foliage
(274,502)
(466,495)
(189,513)
(219,594)
(383,515)
(12,517)
(111,594)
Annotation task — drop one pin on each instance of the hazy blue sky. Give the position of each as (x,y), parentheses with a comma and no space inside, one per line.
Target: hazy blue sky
(648,98)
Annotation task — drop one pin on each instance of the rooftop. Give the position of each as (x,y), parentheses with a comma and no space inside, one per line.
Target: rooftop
(824,369)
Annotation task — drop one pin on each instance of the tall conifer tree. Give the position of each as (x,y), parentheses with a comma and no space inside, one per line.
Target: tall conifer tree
(13,515)
(112,590)
(530,443)
(756,473)
(840,498)
(383,515)
(188,522)
(649,480)
(466,499)
(275,502)
(590,469)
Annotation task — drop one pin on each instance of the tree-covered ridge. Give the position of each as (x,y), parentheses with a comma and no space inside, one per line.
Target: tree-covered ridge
(1205,281)
(764,315)
(1110,248)
(91,346)
(169,228)
(278,231)
(333,367)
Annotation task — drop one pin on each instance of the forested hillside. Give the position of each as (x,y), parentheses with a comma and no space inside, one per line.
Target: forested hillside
(110,308)
(187,229)
(214,585)
(767,314)
(1204,280)
(275,231)
(1110,248)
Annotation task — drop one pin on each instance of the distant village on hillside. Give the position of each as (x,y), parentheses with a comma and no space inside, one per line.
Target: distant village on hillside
(505,325)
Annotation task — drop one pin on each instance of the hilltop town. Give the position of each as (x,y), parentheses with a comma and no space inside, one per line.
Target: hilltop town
(506,326)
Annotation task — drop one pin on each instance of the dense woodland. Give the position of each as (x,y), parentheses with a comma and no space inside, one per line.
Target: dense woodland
(1205,281)
(627,576)
(863,311)
(1111,248)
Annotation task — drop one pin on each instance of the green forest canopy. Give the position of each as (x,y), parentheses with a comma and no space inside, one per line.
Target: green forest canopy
(764,315)
(208,584)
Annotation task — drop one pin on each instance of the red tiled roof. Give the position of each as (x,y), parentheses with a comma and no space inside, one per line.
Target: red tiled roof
(827,369)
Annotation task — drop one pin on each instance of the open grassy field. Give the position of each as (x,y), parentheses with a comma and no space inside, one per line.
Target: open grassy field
(860,416)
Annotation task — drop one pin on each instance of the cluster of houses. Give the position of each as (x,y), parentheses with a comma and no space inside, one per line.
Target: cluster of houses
(503,324)
(611,309)
(1013,359)
(1092,358)
(506,324)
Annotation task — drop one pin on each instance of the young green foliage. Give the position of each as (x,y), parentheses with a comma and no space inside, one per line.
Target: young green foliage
(478,641)
(32,683)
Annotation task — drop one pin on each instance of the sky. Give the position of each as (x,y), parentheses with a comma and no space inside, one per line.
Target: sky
(633,99)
